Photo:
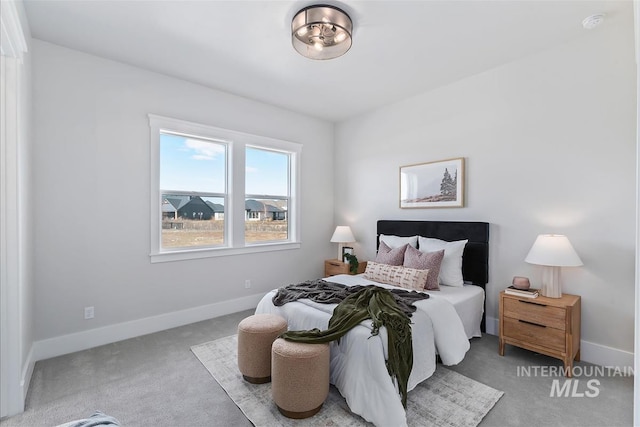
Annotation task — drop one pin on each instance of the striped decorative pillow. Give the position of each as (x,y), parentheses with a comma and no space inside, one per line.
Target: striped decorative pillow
(408,278)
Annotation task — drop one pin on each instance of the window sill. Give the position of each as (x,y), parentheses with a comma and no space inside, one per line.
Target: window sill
(218,252)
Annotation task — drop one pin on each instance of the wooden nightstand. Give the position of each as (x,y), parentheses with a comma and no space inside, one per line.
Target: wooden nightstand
(335,266)
(549,326)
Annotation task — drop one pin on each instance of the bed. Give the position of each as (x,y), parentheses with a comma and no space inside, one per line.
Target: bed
(441,326)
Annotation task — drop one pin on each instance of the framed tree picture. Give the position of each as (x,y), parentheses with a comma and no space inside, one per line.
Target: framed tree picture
(437,184)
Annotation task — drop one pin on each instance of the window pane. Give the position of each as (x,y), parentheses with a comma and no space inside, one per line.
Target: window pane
(265,220)
(192,221)
(191,164)
(267,172)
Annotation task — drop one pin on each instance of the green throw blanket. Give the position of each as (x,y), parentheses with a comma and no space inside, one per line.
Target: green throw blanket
(389,308)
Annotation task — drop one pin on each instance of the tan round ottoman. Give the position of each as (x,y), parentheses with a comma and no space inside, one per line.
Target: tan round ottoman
(299,377)
(255,336)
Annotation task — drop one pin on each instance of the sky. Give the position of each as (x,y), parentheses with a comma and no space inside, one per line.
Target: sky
(189,164)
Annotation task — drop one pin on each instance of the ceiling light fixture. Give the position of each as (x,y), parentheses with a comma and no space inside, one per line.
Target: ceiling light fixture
(321,32)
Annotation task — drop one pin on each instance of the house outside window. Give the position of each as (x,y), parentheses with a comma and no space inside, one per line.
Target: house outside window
(219,192)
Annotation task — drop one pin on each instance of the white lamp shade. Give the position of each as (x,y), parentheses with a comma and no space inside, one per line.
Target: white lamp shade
(553,250)
(342,234)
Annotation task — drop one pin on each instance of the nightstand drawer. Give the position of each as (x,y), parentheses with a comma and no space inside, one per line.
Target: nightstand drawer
(332,268)
(531,311)
(534,333)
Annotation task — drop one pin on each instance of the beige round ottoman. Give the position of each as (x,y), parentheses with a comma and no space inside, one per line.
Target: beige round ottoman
(255,336)
(299,377)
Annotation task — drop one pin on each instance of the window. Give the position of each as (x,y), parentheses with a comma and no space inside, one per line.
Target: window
(267,195)
(193,183)
(220,192)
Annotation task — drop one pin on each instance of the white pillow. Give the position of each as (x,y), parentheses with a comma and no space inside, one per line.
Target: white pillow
(397,241)
(451,267)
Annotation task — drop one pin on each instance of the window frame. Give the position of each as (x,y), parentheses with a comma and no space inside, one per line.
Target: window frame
(237,142)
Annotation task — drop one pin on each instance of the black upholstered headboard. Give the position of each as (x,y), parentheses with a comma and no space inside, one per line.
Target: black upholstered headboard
(475,259)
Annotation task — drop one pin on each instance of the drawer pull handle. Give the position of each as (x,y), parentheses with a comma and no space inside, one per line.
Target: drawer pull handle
(531,323)
(531,302)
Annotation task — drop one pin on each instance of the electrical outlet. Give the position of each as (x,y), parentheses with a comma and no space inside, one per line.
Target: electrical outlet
(89,313)
(247,284)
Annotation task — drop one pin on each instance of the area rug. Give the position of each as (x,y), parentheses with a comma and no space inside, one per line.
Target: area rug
(445,399)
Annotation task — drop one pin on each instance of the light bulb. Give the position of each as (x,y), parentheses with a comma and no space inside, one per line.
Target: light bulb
(317,45)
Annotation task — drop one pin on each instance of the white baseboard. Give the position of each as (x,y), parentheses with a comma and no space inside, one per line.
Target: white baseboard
(27,371)
(491,325)
(78,341)
(597,354)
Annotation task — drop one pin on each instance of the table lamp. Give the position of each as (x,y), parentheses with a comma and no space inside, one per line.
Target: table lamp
(341,236)
(552,251)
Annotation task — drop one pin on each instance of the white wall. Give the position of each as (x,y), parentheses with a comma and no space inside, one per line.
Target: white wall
(549,143)
(91,177)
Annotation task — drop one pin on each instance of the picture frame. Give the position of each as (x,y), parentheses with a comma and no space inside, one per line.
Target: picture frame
(438,184)
(346,250)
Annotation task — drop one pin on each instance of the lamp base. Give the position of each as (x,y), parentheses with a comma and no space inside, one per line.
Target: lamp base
(551,286)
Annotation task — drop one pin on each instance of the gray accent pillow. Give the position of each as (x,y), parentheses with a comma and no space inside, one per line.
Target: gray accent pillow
(389,256)
(451,268)
(413,258)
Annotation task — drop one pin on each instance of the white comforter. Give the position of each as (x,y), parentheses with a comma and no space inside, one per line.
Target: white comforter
(358,363)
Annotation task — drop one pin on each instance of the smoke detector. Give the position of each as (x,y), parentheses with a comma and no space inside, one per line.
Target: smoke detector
(593,21)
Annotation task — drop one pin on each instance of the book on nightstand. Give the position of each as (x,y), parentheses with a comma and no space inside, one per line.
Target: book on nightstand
(527,293)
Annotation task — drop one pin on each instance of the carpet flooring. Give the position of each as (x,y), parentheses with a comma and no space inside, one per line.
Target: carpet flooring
(445,399)
(155,380)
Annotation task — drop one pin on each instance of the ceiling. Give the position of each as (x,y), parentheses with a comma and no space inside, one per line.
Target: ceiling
(400,48)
